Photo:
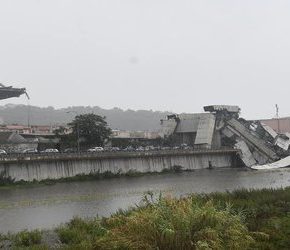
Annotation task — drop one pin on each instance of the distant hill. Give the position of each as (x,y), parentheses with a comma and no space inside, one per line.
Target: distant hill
(117,118)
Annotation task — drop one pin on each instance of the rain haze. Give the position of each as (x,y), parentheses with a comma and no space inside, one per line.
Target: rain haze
(162,55)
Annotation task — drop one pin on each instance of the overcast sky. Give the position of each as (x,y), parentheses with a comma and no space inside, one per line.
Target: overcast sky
(148,54)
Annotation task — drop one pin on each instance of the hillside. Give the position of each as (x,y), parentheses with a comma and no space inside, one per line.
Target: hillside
(116,118)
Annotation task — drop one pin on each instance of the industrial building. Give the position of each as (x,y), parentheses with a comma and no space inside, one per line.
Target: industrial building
(280,125)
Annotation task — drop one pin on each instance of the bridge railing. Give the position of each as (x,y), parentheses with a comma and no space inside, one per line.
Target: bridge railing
(109,154)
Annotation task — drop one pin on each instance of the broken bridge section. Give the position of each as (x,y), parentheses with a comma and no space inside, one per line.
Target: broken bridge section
(256,143)
(9,92)
(205,131)
(243,135)
(221,127)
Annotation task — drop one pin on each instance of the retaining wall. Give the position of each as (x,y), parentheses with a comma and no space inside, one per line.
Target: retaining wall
(35,167)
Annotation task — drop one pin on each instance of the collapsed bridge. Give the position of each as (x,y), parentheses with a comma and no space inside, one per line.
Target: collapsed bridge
(9,92)
(220,126)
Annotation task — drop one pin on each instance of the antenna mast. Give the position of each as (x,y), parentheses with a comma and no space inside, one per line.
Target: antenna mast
(277,117)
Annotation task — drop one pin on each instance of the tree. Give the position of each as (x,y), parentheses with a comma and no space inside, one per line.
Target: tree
(90,129)
(66,140)
(59,131)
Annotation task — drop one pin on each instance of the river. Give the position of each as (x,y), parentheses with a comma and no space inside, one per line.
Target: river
(47,206)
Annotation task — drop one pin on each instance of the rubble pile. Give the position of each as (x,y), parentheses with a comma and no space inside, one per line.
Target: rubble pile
(255,144)
(222,127)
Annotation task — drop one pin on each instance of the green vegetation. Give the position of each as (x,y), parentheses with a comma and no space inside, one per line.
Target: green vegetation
(4,180)
(244,219)
(92,128)
(26,238)
(22,240)
(88,130)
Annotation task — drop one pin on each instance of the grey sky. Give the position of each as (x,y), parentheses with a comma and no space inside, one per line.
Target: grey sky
(148,54)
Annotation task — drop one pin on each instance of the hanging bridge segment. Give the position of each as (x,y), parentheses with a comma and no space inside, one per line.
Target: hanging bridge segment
(9,92)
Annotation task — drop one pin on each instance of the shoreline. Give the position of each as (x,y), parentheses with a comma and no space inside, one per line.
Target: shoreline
(8,183)
(86,177)
(255,211)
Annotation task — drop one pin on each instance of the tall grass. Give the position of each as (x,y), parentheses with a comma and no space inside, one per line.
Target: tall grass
(244,219)
(176,224)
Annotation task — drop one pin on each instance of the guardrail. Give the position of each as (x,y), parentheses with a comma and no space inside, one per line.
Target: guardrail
(107,154)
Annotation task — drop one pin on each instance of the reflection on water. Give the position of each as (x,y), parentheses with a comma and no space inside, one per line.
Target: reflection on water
(48,206)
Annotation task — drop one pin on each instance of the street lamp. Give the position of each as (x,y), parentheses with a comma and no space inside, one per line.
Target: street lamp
(78,130)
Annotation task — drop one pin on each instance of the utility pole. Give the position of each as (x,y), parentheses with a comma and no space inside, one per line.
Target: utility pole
(277,117)
(28,114)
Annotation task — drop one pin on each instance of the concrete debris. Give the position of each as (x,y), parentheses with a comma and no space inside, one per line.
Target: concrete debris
(245,154)
(257,144)
(285,162)
(283,142)
(168,127)
(269,130)
(221,127)
(205,131)
(219,108)
(260,158)
(227,132)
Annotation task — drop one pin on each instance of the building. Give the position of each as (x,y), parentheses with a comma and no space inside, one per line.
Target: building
(13,142)
(124,138)
(43,130)
(281,125)
(134,134)
(19,129)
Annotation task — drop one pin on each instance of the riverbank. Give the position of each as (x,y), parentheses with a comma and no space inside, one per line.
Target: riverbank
(9,182)
(46,206)
(255,219)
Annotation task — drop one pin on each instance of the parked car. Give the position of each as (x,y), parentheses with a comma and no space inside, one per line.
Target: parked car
(149,148)
(3,152)
(70,150)
(96,149)
(114,149)
(29,151)
(111,149)
(50,150)
(140,148)
(129,148)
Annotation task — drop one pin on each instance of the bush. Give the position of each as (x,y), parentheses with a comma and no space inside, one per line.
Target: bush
(5,180)
(176,224)
(28,238)
(248,219)
(80,232)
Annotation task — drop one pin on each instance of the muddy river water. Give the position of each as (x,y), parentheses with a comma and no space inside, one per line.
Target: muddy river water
(40,207)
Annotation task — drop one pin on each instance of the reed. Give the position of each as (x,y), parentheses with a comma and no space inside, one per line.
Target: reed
(243,219)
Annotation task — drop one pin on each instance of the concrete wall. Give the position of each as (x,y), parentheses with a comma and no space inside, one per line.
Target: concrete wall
(29,170)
